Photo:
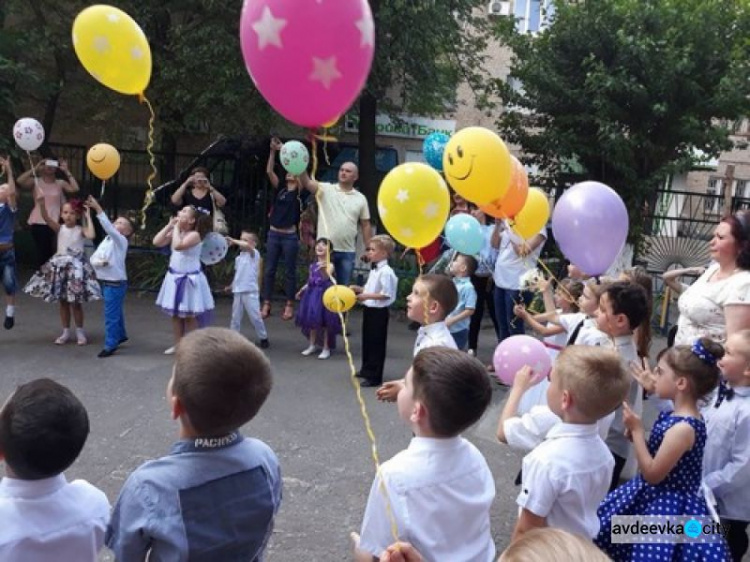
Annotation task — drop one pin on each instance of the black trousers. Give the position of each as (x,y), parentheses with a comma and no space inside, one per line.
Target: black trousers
(736,536)
(619,465)
(485,288)
(45,243)
(374,340)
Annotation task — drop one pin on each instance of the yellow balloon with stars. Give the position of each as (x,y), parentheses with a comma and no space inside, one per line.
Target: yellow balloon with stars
(113,48)
(339,298)
(413,203)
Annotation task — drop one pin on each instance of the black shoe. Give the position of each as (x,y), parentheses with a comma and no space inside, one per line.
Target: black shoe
(122,341)
(265,344)
(359,375)
(369,382)
(9,322)
(106,352)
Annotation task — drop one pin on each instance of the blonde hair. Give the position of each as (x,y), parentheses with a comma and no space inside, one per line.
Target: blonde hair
(595,377)
(552,545)
(385,242)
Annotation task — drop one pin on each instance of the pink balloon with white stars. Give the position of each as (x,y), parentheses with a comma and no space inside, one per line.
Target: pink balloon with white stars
(309,58)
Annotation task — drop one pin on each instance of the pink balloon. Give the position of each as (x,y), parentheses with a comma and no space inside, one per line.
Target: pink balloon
(309,58)
(516,351)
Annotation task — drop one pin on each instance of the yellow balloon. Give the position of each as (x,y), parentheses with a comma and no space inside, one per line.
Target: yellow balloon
(113,48)
(103,160)
(477,164)
(339,298)
(533,216)
(413,203)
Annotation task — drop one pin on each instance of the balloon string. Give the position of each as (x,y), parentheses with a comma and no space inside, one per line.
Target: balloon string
(149,198)
(33,173)
(352,369)
(101,195)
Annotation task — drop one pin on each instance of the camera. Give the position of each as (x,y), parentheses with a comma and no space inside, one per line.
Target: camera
(52,163)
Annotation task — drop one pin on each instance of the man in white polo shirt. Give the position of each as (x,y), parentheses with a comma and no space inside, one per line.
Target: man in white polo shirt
(341,208)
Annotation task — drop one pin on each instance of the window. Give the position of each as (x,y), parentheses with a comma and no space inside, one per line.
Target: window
(714,196)
(741,189)
(533,16)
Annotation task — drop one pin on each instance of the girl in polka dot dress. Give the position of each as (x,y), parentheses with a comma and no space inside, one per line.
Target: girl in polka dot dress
(670,466)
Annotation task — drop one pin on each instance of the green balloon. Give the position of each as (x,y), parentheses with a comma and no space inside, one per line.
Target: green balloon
(294,157)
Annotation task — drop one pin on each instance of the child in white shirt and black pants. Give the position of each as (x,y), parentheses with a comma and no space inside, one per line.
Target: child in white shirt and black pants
(376,296)
(245,286)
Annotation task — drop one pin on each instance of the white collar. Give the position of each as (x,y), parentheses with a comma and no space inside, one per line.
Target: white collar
(418,444)
(434,327)
(30,489)
(381,264)
(580,430)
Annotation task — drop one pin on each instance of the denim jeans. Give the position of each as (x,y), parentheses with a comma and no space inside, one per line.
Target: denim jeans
(343,264)
(281,245)
(461,338)
(8,270)
(508,324)
(114,318)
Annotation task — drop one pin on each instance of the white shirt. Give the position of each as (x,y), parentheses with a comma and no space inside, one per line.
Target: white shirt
(434,335)
(51,520)
(702,305)
(567,477)
(509,266)
(381,281)
(440,491)
(246,272)
(589,334)
(108,260)
(616,440)
(528,431)
(726,458)
(339,215)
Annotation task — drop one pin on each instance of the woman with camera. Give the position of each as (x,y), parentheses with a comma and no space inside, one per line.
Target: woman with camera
(197,190)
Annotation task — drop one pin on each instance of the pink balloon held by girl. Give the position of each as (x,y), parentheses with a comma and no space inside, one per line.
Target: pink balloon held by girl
(67,278)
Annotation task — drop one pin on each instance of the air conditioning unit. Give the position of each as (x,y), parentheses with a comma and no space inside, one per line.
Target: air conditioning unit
(499,8)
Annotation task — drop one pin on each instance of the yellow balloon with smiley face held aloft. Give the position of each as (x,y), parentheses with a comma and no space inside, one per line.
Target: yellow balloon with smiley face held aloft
(103,160)
(477,165)
(339,298)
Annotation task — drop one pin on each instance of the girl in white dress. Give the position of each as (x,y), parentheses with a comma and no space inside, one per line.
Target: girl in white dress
(67,278)
(185,293)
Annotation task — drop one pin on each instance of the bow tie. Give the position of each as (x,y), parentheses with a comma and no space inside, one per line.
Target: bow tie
(373,266)
(726,392)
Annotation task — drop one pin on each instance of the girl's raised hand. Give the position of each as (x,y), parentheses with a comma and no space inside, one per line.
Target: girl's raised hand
(524,378)
(645,376)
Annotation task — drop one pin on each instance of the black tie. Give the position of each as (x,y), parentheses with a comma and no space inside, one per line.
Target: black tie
(726,392)
(373,266)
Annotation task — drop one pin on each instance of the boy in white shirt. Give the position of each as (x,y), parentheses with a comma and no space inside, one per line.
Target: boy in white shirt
(462,268)
(432,297)
(43,428)
(440,489)
(378,294)
(245,286)
(568,475)
(108,262)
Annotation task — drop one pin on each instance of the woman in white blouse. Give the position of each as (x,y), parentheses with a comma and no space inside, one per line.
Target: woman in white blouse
(718,303)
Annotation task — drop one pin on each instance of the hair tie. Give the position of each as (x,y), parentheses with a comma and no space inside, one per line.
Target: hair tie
(702,353)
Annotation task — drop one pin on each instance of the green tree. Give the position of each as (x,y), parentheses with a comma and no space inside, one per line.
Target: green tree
(424,50)
(627,89)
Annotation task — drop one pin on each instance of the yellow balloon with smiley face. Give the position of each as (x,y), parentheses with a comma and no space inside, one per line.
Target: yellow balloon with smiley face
(477,165)
(103,160)
(339,298)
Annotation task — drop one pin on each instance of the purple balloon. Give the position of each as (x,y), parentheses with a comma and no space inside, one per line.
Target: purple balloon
(514,352)
(590,224)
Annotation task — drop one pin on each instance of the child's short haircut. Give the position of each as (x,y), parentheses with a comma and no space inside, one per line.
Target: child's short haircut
(221,379)
(548,544)
(703,374)
(572,289)
(441,289)
(43,428)
(254,237)
(453,385)
(598,287)
(595,377)
(385,243)
(629,299)
(470,262)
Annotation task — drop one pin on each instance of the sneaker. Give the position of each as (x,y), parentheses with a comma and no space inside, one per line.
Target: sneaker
(472,353)
(264,344)
(81,337)
(310,350)
(106,352)
(9,322)
(63,339)
(169,351)
(325,354)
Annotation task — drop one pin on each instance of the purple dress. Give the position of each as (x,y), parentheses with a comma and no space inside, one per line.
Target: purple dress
(311,314)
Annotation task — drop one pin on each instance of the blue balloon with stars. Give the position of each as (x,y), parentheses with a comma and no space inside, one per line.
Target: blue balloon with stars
(433,147)
(464,234)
